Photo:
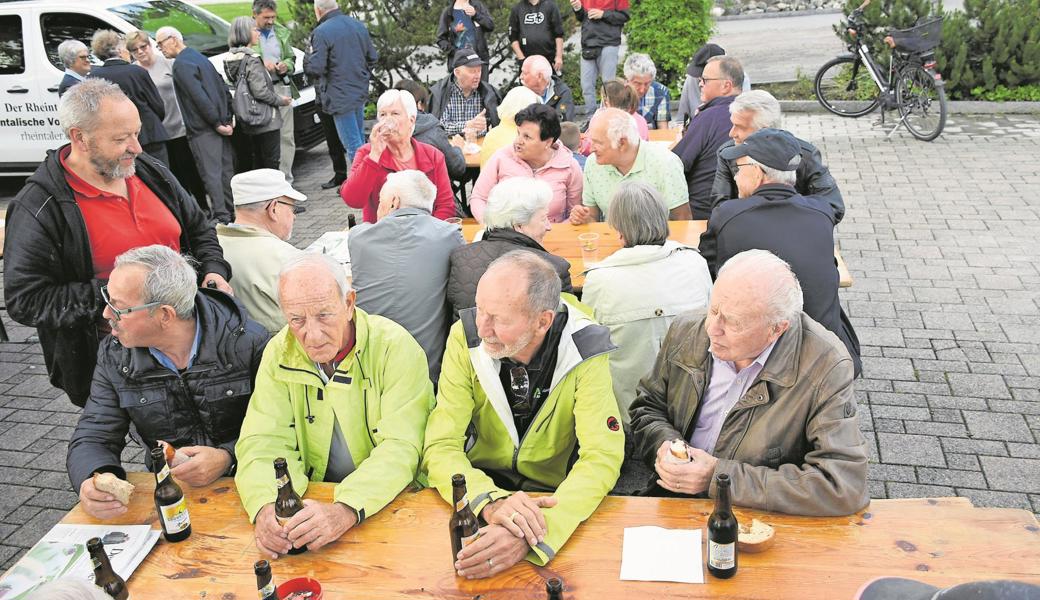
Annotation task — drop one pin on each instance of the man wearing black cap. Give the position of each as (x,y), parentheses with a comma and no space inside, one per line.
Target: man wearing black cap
(461,100)
(772,216)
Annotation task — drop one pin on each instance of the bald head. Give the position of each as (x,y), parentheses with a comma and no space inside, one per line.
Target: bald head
(536,74)
(768,281)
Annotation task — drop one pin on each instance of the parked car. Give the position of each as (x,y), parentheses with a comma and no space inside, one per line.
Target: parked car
(30,70)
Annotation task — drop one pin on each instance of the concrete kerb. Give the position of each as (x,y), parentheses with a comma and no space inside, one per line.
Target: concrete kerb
(779,14)
(959,107)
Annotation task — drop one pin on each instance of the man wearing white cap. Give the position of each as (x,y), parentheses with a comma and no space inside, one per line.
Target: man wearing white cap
(256,244)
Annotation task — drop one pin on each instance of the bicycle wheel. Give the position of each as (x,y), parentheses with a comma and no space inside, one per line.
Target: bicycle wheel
(844,87)
(922,104)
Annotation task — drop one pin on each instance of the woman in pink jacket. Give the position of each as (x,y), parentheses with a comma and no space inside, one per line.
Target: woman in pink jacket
(535,153)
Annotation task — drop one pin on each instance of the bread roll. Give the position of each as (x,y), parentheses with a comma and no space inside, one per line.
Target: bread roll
(759,537)
(677,452)
(110,484)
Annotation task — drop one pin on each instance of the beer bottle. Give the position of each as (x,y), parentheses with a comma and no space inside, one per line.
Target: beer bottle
(264,586)
(169,501)
(554,588)
(104,577)
(289,502)
(722,533)
(463,524)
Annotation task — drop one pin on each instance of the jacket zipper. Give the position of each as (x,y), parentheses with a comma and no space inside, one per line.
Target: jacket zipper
(364,392)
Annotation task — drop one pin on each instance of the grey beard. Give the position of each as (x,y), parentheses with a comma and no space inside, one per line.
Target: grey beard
(112,170)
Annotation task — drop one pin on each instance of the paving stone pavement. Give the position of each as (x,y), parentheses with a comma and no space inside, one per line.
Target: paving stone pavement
(941,241)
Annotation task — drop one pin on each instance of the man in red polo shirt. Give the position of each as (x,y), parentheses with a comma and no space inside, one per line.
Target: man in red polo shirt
(88,202)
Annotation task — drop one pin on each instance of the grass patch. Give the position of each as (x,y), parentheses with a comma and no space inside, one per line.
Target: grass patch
(228,12)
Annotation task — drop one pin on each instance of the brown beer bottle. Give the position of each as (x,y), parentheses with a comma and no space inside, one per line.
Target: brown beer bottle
(169,501)
(289,502)
(463,524)
(554,588)
(722,533)
(265,588)
(104,577)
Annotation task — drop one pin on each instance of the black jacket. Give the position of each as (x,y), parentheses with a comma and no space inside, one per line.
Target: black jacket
(469,262)
(428,130)
(446,31)
(814,179)
(599,33)
(66,82)
(137,84)
(203,406)
(201,93)
(439,98)
(49,272)
(799,230)
(562,99)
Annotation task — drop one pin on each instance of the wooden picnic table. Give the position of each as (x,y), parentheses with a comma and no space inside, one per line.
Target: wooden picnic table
(404,551)
(664,136)
(562,240)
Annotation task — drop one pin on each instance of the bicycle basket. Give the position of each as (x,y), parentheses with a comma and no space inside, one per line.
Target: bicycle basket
(920,38)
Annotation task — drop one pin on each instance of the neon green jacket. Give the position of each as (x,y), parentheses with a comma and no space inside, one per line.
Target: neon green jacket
(381,394)
(471,430)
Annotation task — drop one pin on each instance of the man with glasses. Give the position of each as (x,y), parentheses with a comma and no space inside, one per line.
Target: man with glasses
(76,58)
(179,366)
(525,403)
(256,244)
(720,82)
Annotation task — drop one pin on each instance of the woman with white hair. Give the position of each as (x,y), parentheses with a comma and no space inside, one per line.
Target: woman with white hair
(392,148)
(504,133)
(262,148)
(75,55)
(638,290)
(517,217)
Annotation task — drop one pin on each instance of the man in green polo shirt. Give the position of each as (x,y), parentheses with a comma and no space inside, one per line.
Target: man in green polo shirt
(619,155)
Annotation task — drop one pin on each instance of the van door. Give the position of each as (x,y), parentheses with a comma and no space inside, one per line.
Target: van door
(28,121)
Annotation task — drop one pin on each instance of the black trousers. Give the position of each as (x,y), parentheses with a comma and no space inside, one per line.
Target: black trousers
(337,152)
(182,163)
(258,151)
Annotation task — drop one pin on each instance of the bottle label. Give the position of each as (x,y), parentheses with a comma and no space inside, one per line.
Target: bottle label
(266,592)
(175,516)
(721,556)
(96,563)
(282,481)
(466,541)
(281,520)
(461,504)
(163,474)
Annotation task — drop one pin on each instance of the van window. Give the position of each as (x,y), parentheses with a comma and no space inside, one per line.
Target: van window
(12,54)
(58,27)
(201,31)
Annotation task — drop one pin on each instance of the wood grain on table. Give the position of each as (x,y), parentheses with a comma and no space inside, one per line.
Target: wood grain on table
(404,551)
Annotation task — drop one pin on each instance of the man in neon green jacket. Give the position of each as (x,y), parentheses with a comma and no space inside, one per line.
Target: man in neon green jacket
(343,396)
(525,403)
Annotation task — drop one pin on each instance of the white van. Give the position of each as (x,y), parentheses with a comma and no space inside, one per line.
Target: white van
(30,70)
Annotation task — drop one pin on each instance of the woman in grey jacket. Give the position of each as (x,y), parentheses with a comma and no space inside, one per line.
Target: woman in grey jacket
(262,146)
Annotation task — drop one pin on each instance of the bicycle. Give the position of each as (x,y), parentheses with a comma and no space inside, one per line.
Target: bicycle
(853,85)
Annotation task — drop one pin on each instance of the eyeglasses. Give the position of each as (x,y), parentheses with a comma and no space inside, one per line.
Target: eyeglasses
(163,41)
(703,79)
(738,165)
(520,383)
(140,48)
(119,312)
(296,208)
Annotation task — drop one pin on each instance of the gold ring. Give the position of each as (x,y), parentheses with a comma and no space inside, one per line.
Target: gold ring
(513,516)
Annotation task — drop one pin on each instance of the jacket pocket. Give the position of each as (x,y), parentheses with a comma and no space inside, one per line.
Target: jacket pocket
(773,456)
(149,410)
(224,407)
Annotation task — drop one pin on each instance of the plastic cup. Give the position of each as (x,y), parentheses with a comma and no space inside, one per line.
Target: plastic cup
(300,584)
(589,243)
(456,221)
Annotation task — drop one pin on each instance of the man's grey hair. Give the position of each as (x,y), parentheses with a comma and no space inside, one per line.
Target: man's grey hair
(639,214)
(783,293)
(171,279)
(322,261)
(326,5)
(168,31)
(729,69)
(259,5)
(543,282)
(641,65)
(514,202)
(69,589)
(391,96)
(80,107)
(540,64)
(621,126)
(69,50)
(776,175)
(240,34)
(413,187)
(105,44)
(762,104)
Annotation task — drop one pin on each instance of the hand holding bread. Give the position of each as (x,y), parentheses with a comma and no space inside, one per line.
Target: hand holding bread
(105,496)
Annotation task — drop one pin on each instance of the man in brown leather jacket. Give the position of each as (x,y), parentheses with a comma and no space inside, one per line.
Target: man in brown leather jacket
(760,391)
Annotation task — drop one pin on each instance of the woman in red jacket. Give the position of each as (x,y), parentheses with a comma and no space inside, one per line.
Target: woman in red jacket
(391,149)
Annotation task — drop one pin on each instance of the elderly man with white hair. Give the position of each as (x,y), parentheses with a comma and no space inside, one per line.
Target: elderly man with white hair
(619,155)
(758,109)
(757,390)
(655,103)
(516,217)
(400,263)
(392,148)
(178,367)
(536,74)
(75,55)
(343,396)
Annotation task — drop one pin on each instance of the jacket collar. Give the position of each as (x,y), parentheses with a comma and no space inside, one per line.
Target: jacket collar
(422,159)
(560,159)
(409,211)
(50,176)
(717,101)
(504,234)
(332,13)
(775,191)
(641,255)
(112,62)
(296,367)
(244,231)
